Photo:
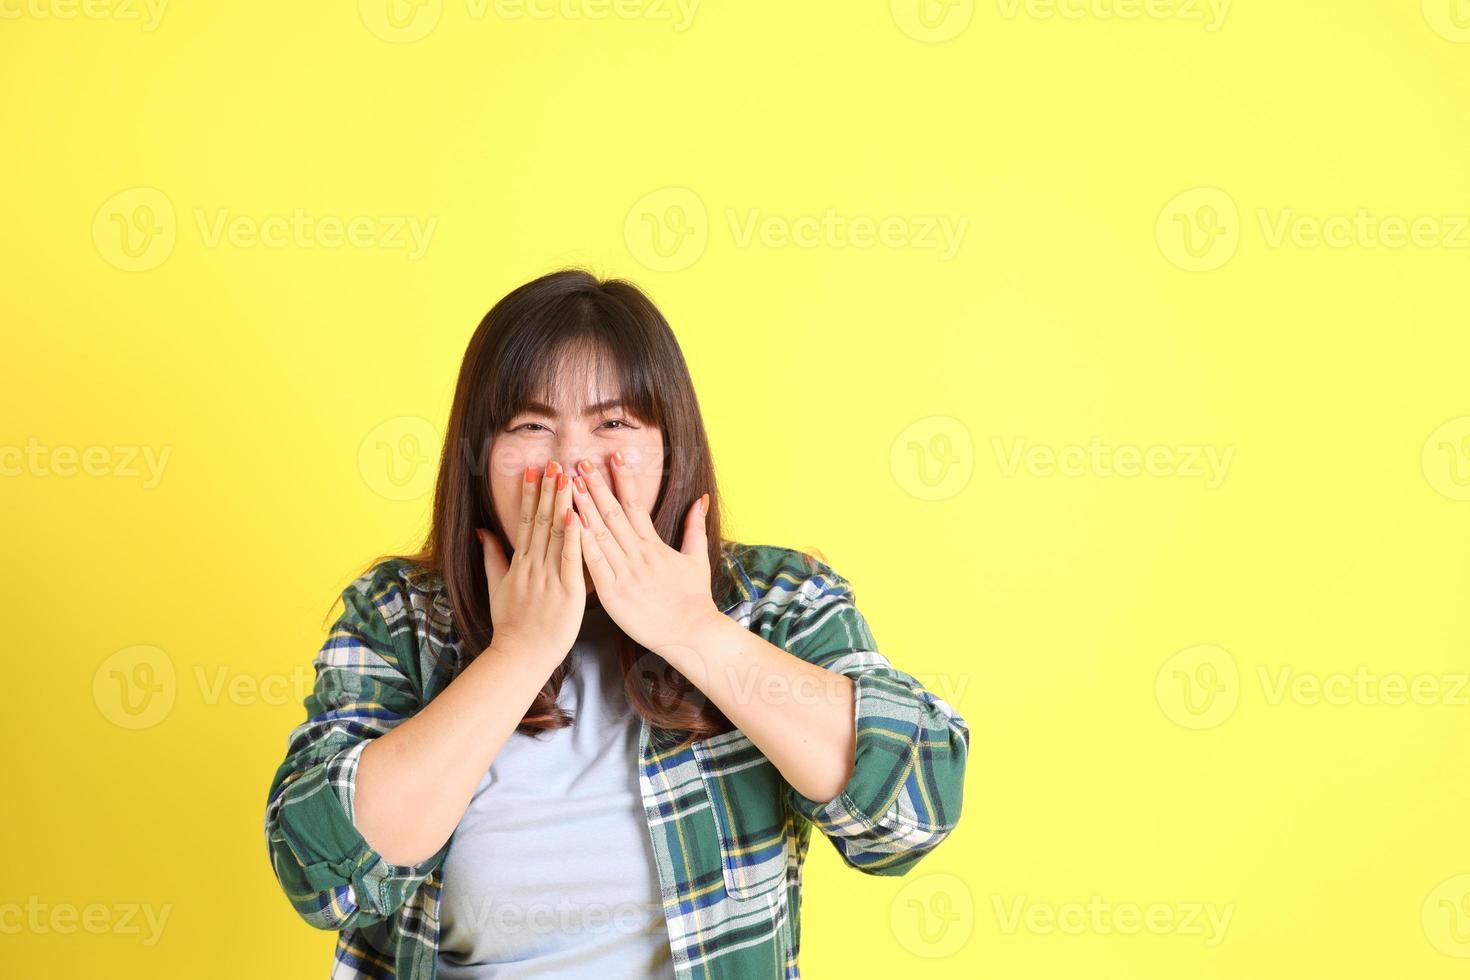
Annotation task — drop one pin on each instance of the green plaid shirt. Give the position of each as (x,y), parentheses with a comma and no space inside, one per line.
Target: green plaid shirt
(729,833)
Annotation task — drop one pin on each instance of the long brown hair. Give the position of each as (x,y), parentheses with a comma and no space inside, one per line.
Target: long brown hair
(509,363)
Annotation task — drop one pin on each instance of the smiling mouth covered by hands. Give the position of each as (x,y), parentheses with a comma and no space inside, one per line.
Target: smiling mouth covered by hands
(660,596)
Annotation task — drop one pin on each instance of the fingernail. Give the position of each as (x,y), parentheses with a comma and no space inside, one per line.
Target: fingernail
(530,474)
(618,457)
(583,518)
(552,469)
(704,504)
(561,481)
(581,484)
(585,465)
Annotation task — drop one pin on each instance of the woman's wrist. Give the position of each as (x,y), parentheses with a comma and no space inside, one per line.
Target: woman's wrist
(522,656)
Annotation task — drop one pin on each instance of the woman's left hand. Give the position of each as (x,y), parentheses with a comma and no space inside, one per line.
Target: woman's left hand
(659,596)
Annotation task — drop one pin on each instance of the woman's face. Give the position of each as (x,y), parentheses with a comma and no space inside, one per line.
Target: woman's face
(577,422)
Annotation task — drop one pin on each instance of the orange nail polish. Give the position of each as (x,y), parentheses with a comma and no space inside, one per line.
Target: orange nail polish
(530,474)
(618,455)
(581,484)
(561,481)
(552,469)
(583,518)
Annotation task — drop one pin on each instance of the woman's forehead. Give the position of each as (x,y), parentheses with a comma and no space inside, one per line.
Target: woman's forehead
(577,382)
(565,405)
(577,375)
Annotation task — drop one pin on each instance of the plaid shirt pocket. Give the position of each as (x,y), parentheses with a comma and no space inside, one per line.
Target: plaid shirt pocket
(747,799)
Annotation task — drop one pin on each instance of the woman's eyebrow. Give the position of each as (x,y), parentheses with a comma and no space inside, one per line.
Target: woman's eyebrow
(540,408)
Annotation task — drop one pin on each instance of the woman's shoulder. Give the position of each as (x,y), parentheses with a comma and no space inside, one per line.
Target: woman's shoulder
(399,574)
(778,572)
(401,591)
(401,609)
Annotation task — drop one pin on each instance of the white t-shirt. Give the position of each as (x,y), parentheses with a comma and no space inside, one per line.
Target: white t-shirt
(550,872)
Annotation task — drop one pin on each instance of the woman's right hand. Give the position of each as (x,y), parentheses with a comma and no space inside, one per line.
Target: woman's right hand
(439,754)
(539,596)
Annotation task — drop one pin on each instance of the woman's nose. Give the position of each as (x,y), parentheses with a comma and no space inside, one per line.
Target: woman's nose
(567,455)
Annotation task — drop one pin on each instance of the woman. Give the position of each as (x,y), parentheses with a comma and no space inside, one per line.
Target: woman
(580,734)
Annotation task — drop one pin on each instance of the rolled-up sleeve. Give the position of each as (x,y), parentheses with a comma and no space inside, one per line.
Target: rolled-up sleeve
(332,876)
(904,796)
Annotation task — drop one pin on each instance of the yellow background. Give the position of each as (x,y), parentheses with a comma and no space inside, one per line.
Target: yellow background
(863,400)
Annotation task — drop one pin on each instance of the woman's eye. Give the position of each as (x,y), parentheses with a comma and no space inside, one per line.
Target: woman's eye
(537,426)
